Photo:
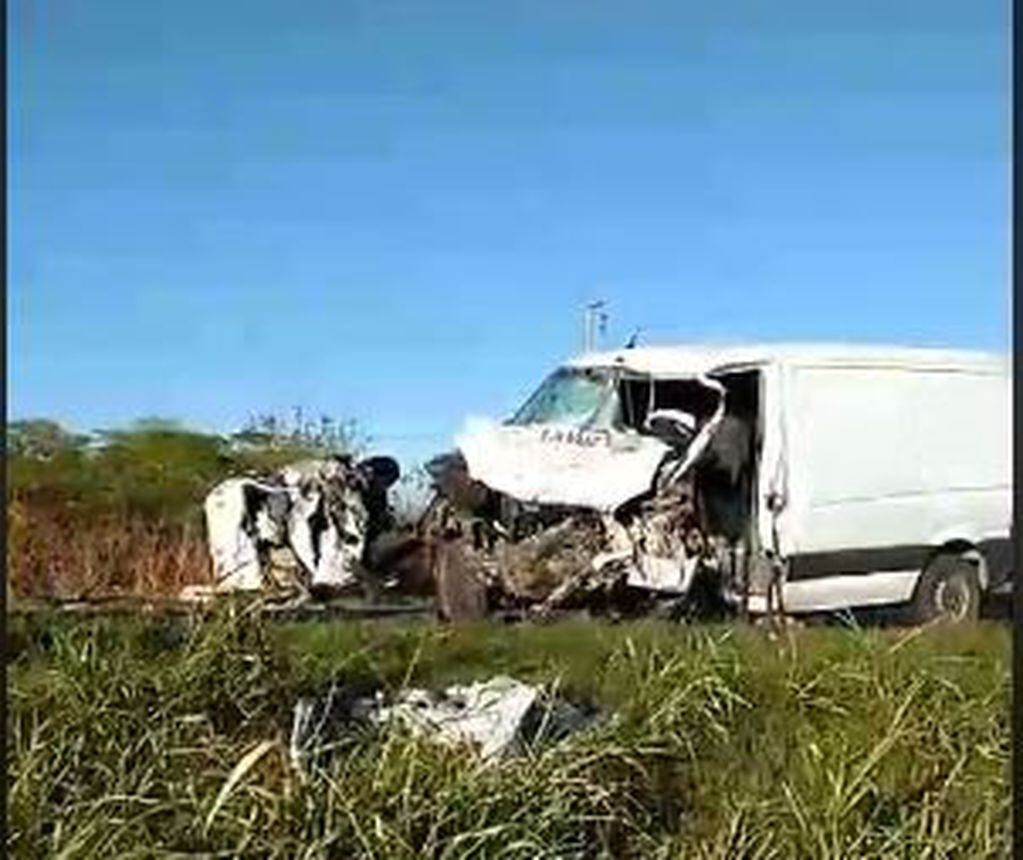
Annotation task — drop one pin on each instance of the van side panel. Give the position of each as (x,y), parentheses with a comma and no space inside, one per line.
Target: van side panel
(888,462)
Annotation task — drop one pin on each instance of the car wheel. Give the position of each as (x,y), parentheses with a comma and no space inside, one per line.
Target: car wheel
(948,590)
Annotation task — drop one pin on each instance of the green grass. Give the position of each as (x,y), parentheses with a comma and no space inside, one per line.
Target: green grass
(143,738)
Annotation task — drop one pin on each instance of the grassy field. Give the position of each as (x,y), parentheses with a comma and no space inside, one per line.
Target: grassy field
(135,738)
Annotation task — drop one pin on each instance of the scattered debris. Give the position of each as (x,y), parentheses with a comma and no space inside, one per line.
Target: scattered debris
(487,715)
(495,718)
(610,490)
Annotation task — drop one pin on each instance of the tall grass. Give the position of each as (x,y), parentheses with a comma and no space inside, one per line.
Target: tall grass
(133,738)
(52,552)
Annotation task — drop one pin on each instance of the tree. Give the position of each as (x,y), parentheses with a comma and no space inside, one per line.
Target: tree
(156,468)
(268,441)
(41,439)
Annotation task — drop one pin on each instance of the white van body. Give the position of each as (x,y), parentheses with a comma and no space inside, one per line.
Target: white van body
(868,462)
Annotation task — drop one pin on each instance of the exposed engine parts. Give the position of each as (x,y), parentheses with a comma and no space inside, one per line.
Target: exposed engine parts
(647,551)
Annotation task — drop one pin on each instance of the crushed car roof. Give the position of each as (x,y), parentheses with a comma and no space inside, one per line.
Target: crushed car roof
(701,359)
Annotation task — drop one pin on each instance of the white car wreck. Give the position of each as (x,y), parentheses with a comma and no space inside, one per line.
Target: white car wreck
(307,526)
(788,477)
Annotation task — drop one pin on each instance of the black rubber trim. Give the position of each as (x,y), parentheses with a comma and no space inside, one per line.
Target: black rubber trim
(997,553)
(853,561)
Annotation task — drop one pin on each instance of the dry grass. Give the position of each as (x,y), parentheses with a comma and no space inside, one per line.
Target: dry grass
(53,552)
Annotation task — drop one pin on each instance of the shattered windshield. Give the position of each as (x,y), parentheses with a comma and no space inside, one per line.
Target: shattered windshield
(574,396)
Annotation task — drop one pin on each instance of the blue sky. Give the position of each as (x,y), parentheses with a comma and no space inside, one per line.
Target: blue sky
(395,211)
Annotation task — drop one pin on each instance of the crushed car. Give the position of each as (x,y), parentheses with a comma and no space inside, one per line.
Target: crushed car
(312,527)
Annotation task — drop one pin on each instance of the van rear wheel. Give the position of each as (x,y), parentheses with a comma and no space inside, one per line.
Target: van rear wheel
(948,590)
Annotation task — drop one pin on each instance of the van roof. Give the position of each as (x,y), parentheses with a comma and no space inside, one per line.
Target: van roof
(691,358)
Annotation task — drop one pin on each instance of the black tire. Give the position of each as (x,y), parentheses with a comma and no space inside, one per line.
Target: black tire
(948,589)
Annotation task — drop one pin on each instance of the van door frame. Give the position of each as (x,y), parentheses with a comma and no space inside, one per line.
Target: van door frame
(771,507)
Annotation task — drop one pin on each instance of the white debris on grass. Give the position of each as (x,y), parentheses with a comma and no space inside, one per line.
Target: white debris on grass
(487,715)
(495,718)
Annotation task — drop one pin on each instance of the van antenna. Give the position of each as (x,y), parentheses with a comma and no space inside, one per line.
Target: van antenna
(594,322)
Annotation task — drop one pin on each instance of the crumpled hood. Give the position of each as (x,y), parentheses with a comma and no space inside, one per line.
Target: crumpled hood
(549,464)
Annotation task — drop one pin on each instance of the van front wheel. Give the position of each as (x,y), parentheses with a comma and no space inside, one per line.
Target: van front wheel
(948,589)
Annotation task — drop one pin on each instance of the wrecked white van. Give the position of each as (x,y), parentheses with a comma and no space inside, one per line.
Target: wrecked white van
(789,478)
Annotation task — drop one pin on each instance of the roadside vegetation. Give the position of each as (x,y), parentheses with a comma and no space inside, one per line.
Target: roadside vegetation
(135,737)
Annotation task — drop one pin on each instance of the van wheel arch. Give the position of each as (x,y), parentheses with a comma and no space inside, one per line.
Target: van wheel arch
(950,585)
(968,551)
